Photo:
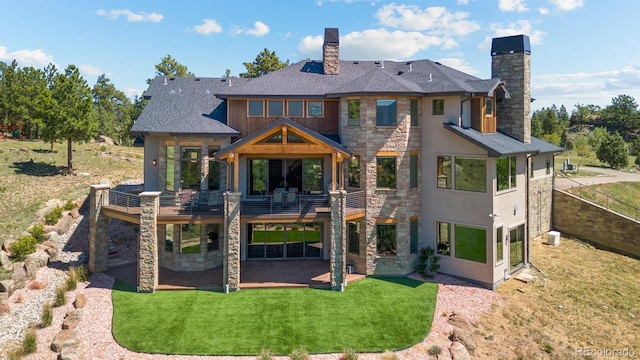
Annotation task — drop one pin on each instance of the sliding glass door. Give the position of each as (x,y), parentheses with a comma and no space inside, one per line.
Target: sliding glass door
(284,241)
(267,175)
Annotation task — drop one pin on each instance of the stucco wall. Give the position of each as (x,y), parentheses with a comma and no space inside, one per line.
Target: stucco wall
(587,221)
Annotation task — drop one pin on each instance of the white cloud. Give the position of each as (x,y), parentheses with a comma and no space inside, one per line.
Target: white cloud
(259,29)
(436,19)
(458,64)
(567,5)
(596,88)
(365,45)
(131,92)
(512,5)
(130,15)
(463,2)
(543,11)
(90,70)
(515,28)
(208,26)
(35,58)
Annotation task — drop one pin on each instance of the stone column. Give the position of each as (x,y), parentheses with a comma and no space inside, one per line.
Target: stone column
(231,250)
(338,204)
(98,229)
(148,241)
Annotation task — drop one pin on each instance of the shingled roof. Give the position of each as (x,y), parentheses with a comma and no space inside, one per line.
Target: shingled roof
(185,106)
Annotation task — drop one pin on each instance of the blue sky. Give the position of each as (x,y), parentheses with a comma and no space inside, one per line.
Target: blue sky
(583,51)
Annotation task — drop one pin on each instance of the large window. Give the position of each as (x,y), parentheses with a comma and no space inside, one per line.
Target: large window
(284,240)
(488,105)
(312,176)
(386,239)
(506,173)
(516,247)
(386,172)
(314,108)
(276,108)
(413,171)
(499,245)
(354,172)
(295,108)
(386,112)
(170,170)
(256,108)
(213,179)
(413,236)
(214,234)
(437,107)
(190,168)
(414,112)
(471,243)
(354,113)
(258,177)
(471,174)
(443,238)
(354,237)
(444,172)
(190,239)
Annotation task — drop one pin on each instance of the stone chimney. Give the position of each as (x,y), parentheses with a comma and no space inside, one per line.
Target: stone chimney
(510,61)
(331,52)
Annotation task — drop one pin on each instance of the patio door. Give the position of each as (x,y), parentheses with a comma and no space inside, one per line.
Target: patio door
(516,248)
(266,175)
(284,241)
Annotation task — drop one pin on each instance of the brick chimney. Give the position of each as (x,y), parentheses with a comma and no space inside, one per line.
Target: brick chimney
(510,61)
(331,52)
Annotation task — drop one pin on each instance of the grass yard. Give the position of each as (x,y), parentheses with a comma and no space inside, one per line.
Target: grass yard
(372,315)
(622,197)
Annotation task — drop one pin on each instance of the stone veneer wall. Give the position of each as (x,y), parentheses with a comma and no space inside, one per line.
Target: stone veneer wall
(514,114)
(98,229)
(338,265)
(540,205)
(331,59)
(148,241)
(231,241)
(399,204)
(593,223)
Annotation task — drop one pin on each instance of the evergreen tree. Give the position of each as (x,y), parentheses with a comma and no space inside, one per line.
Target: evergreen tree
(266,62)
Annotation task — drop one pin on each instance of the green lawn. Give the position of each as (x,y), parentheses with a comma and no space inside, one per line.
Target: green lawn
(371,315)
(622,197)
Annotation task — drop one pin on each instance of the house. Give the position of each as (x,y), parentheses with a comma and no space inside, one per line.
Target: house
(361,163)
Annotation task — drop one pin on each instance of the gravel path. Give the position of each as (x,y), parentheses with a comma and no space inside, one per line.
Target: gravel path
(94,330)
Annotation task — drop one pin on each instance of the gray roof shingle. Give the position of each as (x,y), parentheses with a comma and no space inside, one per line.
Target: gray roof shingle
(185,106)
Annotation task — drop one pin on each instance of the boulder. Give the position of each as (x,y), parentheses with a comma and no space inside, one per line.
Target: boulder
(49,207)
(72,319)
(105,181)
(106,140)
(53,236)
(19,275)
(33,262)
(459,352)
(63,339)
(460,321)
(7,286)
(80,302)
(465,338)
(64,224)
(5,262)
(50,247)
(74,213)
(71,352)
(6,245)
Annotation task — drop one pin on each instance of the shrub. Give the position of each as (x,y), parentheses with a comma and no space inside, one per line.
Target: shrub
(75,274)
(265,354)
(435,350)
(349,354)
(613,151)
(69,205)
(29,342)
(61,298)
(38,232)
(638,160)
(427,264)
(103,148)
(24,246)
(388,355)
(47,315)
(53,217)
(299,354)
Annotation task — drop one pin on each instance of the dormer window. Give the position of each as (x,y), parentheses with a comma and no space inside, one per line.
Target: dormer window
(488,104)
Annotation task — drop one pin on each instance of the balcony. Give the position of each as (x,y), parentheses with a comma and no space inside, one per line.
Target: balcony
(189,206)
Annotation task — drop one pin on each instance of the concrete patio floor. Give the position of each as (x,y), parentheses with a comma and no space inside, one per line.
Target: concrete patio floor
(253,275)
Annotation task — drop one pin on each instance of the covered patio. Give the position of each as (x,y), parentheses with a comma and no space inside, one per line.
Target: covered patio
(253,275)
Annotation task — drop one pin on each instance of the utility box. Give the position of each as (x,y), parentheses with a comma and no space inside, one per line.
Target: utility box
(553,238)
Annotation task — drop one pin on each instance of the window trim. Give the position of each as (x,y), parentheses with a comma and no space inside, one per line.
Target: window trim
(395,119)
(249,108)
(269,102)
(309,103)
(289,102)
(433,107)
